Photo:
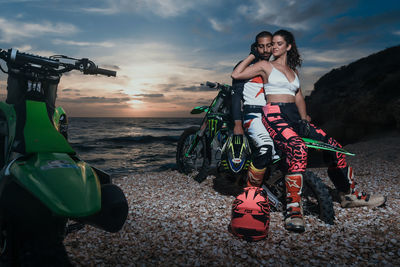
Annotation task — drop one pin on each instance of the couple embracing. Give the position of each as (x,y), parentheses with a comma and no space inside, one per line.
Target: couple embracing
(274,113)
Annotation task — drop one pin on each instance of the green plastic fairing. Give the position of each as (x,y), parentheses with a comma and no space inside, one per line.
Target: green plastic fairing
(66,187)
(40,134)
(324,146)
(200,109)
(58,112)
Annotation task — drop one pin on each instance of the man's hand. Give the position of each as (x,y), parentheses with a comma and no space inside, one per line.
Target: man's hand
(254,51)
(238,129)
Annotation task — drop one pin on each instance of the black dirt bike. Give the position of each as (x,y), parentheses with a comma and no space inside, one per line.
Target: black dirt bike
(200,146)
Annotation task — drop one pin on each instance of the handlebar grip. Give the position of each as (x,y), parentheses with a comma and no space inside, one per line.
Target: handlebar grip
(23,57)
(106,72)
(211,84)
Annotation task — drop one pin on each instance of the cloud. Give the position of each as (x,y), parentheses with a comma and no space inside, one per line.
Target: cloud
(75,43)
(334,57)
(220,26)
(346,25)
(162,8)
(70,90)
(297,15)
(150,95)
(11,30)
(196,88)
(96,100)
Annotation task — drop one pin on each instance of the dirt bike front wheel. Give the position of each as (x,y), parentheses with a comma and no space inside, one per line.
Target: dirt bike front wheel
(196,162)
(316,198)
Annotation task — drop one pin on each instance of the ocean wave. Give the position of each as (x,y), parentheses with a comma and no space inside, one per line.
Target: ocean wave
(164,129)
(143,139)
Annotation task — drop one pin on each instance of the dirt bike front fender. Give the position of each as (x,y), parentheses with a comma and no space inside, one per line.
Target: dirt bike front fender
(68,188)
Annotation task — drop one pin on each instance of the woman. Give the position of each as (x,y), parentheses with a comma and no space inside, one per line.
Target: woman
(286,120)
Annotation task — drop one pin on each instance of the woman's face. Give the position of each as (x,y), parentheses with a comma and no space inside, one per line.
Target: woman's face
(279,46)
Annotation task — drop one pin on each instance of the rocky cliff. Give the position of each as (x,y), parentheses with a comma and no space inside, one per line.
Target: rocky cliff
(359,99)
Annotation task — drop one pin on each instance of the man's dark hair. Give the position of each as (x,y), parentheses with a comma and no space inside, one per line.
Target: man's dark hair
(263,34)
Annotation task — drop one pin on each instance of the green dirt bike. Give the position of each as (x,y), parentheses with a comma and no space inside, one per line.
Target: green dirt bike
(46,190)
(199,146)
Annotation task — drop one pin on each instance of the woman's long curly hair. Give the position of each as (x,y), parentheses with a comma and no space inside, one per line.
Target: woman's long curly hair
(293,57)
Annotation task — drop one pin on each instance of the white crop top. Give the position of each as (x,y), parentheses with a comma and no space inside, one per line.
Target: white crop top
(279,84)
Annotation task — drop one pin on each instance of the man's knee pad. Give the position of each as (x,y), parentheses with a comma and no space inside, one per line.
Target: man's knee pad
(262,156)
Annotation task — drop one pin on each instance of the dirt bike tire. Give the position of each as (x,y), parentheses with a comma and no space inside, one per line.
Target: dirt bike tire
(182,146)
(314,188)
(43,248)
(43,253)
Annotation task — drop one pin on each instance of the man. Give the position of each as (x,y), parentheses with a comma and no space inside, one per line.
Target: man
(252,93)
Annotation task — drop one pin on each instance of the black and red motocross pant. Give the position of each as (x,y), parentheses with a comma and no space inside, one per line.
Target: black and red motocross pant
(282,121)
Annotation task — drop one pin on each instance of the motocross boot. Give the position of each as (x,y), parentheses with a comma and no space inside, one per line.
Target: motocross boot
(351,198)
(294,211)
(255,176)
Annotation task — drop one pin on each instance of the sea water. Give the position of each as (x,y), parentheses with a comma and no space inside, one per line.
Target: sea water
(123,146)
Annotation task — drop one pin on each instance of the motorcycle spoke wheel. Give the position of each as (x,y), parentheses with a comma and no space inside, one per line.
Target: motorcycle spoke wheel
(316,199)
(195,162)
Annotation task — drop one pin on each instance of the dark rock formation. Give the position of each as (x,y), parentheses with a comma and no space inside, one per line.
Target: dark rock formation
(359,99)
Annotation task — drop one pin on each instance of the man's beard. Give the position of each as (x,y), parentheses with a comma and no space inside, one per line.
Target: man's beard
(265,56)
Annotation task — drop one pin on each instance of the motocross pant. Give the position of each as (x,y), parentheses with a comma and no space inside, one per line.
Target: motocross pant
(259,137)
(283,123)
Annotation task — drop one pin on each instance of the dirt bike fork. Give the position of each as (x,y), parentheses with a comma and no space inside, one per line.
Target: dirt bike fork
(197,138)
(273,199)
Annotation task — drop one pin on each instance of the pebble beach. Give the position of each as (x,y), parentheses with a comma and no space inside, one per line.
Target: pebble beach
(174,221)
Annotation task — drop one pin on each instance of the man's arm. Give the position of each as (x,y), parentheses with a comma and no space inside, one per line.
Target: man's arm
(237,94)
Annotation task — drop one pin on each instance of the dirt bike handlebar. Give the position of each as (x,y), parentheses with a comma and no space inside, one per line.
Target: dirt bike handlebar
(223,87)
(84,65)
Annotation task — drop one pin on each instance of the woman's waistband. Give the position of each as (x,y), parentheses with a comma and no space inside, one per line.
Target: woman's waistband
(282,104)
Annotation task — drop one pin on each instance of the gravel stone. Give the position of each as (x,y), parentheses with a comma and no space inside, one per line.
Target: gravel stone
(174,221)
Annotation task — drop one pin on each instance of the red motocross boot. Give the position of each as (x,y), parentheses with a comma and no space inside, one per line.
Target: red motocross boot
(294,211)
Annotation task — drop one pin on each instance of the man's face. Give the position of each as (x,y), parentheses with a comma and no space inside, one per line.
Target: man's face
(264,47)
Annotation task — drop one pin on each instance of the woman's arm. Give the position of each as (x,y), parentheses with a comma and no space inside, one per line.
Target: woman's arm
(244,71)
(301,104)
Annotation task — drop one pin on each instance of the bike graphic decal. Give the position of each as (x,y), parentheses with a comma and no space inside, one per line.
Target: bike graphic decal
(213,127)
(34,86)
(55,164)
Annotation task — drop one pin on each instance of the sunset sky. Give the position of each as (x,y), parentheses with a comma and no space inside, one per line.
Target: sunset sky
(163,49)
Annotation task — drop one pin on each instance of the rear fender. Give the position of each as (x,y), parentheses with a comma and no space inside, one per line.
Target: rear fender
(68,188)
(311,143)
